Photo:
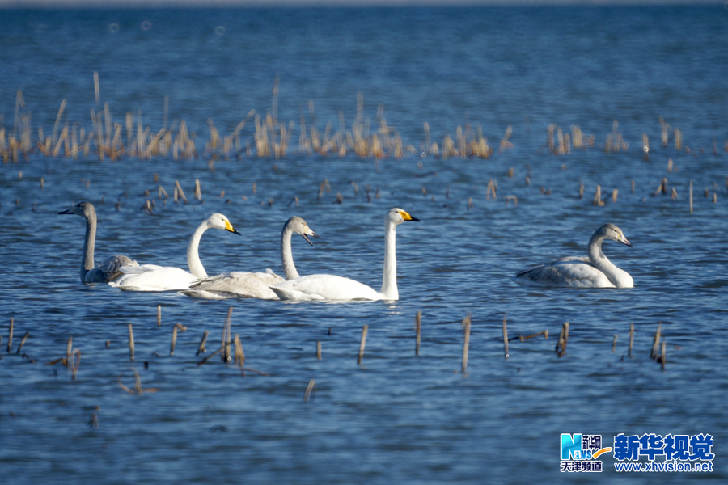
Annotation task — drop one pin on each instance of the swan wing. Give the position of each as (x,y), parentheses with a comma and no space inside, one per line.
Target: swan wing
(112,266)
(151,277)
(238,283)
(325,287)
(574,272)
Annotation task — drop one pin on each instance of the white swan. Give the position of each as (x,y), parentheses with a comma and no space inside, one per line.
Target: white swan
(258,284)
(325,287)
(110,268)
(594,271)
(151,277)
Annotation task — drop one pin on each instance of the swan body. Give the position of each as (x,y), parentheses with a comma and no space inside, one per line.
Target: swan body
(332,288)
(593,271)
(256,284)
(151,277)
(109,269)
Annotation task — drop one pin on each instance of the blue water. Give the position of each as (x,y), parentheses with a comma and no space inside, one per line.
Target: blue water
(397,417)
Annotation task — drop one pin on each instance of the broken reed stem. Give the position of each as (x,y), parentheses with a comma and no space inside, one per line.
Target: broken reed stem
(10,334)
(69,349)
(201,347)
(631,338)
(362,344)
(467,321)
(309,390)
(226,337)
(654,354)
(22,342)
(663,354)
(206,359)
(239,354)
(505,336)
(614,343)
(318,350)
(131,342)
(418,331)
(523,338)
(563,339)
(159,315)
(174,341)
(76,363)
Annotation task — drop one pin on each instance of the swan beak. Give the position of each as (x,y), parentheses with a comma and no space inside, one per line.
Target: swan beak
(66,211)
(626,242)
(407,217)
(229,227)
(308,239)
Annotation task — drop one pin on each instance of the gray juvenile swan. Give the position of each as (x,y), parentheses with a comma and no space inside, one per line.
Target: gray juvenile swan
(256,284)
(333,288)
(111,268)
(594,271)
(151,277)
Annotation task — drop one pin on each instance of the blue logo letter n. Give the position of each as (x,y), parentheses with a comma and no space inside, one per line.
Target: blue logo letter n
(570,445)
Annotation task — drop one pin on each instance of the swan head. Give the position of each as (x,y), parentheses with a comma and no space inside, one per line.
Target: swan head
(398,216)
(298,225)
(83,209)
(219,221)
(610,231)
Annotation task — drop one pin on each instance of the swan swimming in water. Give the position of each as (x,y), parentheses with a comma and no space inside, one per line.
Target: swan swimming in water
(594,271)
(256,284)
(151,277)
(332,288)
(111,268)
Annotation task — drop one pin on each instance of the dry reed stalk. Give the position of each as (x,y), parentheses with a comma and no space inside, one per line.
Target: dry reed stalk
(362,344)
(178,191)
(614,343)
(631,339)
(645,146)
(492,189)
(22,342)
(69,349)
(10,334)
(318,350)
(663,356)
(201,347)
(227,337)
(309,390)
(76,364)
(505,337)
(467,321)
(206,359)
(598,197)
(581,190)
(159,314)
(174,341)
(523,338)
(615,192)
(418,331)
(655,352)
(131,342)
(563,340)
(239,353)
(97,90)
(198,190)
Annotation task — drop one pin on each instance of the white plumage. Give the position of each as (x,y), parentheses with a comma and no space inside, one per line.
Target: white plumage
(594,271)
(332,288)
(256,284)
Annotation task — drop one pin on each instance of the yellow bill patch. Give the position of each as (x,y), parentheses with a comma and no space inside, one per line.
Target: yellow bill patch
(229,227)
(405,215)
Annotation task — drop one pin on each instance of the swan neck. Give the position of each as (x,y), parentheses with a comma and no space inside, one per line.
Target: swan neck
(600,261)
(289,268)
(193,257)
(89,245)
(389,271)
